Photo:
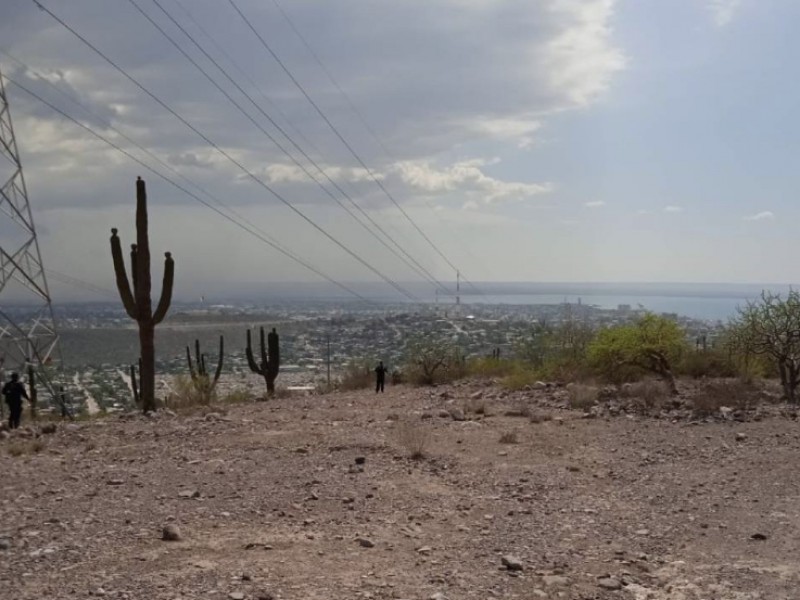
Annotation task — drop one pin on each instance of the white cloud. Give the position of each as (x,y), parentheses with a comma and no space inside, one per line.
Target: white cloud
(466,177)
(673,209)
(723,11)
(594,204)
(761,216)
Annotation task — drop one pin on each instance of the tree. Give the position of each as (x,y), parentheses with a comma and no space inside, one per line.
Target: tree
(652,344)
(430,360)
(770,327)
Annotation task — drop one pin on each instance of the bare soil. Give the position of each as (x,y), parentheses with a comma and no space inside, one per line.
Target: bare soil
(318,498)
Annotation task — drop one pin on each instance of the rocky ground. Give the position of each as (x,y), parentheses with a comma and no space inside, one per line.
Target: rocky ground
(320,498)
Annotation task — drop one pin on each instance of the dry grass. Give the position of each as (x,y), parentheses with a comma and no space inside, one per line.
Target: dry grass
(414,438)
(22,447)
(582,397)
(733,394)
(475,406)
(509,437)
(357,376)
(651,393)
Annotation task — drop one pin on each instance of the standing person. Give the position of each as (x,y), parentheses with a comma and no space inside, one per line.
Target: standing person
(380,377)
(14,392)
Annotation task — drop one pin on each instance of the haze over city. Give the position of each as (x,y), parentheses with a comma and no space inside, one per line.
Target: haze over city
(530,141)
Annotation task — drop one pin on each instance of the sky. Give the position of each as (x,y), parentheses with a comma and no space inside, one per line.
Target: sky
(519,140)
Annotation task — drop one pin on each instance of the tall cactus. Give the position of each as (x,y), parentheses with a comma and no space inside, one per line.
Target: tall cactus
(137,302)
(270,358)
(202,382)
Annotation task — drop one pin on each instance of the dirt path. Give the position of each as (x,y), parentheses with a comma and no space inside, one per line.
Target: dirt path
(271,502)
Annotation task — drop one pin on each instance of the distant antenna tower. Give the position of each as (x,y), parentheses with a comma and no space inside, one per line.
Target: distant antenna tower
(28,334)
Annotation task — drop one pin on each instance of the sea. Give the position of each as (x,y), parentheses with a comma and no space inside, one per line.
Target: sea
(715,302)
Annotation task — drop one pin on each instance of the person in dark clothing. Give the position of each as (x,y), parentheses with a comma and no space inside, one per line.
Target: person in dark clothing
(14,392)
(380,374)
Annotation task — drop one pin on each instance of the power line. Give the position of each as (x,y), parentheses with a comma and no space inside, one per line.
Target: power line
(149,153)
(78,283)
(339,135)
(227,155)
(416,266)
(359,115)
(187,192)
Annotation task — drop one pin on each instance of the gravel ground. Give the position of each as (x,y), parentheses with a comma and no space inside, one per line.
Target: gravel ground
(319,498)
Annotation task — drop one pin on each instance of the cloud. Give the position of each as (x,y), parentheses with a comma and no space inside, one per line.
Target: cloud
(761,216)
(594,204)
(723,11)
(466,177)
(673,209)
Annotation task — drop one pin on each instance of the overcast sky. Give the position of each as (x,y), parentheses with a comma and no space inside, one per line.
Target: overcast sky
(530,140)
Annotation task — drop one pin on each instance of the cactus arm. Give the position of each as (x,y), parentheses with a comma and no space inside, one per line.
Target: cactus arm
(166,289)
(189,360)
(123,286)
(142,277)
(218,372)
(251,361)
(203,365)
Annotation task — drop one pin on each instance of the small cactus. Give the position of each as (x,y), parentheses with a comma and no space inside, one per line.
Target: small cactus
(137,301)
(270,358)
(203,383)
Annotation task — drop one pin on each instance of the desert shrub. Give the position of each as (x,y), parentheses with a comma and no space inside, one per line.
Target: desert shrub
(22,447)
(652,344)
(582,396)
(358,375)
(651,393)
(520,377)
(414,439)
(475,406)
(708,363)
(187,392)
(237,396)
(732,393)
(489,367)
(432,361)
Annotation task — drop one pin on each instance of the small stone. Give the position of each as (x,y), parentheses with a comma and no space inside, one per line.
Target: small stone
(236,595)
(188,494)
(171,533)
(424,550)
(264,596)
(437,596)
(115,482)
(554,580)
(512,563)
(758,536)
(4,435)
(740,437)
(4,544)
(365,543)
(610,583)
(457,414)
(360,460)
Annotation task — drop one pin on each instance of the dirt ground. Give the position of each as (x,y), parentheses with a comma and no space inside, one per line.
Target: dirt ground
(318,498)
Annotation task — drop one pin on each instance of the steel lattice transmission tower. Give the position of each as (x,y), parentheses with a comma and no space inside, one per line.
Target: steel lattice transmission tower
(28,334)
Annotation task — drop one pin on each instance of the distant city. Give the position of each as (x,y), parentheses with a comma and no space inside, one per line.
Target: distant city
(99,342)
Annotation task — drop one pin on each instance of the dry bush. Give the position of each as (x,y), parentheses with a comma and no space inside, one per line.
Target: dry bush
(237,396)
(650,392)
(582,396)
(732,393)
(475,406)
(509,437)
(187,393)
(357,375)
(22,447)
(414,439)
(520,377)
